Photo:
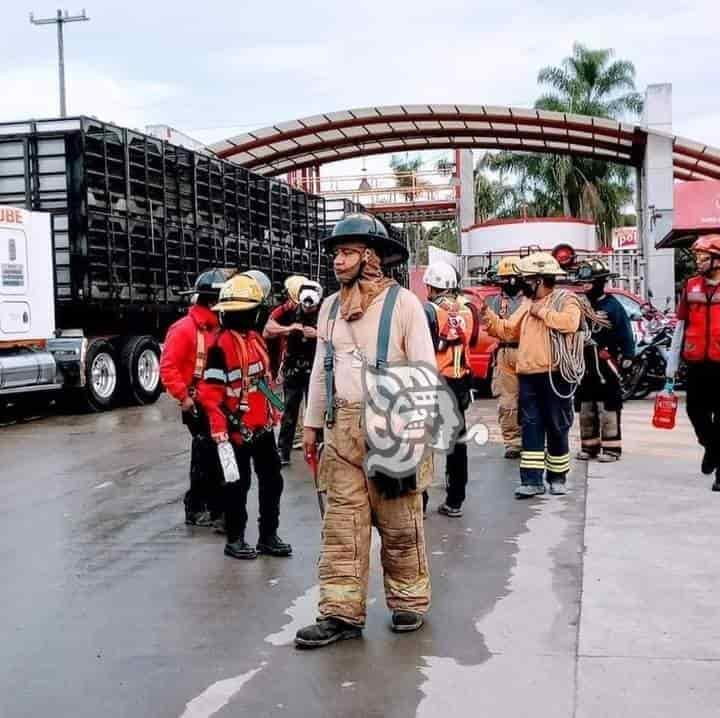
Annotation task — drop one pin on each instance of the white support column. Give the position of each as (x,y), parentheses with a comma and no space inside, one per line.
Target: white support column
(466,195)
(656,192)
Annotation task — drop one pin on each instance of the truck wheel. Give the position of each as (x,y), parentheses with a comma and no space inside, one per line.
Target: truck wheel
(101,378)
(140,368)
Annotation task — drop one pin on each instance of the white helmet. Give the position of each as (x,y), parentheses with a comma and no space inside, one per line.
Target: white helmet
(441,275)
(310,295)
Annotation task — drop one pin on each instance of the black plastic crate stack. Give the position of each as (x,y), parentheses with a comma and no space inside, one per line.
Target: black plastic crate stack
(33,174)
(281,256)
(136,219)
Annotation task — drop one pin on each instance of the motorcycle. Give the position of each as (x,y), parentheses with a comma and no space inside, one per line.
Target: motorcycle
(649,367)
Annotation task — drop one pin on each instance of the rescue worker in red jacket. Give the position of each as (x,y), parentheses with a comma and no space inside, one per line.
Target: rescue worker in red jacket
(453,327)
(697,338)
(242,409)
(182,364)
(296,322)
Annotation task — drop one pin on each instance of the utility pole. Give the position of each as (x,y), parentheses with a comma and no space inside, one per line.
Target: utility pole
(60,20)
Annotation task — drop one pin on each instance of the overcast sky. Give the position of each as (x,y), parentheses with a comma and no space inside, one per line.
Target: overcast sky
(218,68)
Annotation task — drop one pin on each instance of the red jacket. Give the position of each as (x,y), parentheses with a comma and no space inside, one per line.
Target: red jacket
(236,362)
(180,364)
(702,326)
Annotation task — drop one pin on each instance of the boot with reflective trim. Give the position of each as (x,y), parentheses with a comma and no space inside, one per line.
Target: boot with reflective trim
(557,488)
(324,632)
(450,511)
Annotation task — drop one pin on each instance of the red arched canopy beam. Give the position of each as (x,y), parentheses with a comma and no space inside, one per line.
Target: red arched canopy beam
(342,135)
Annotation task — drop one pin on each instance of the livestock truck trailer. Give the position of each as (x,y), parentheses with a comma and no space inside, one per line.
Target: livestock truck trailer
(101,228)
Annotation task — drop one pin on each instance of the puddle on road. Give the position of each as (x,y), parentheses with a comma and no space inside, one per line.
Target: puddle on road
(218,695)
(517,632)
(302,611)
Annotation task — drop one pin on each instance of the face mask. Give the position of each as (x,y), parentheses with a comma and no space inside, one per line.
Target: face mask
(597,289)
(529,288)
(511,287)
(240,321)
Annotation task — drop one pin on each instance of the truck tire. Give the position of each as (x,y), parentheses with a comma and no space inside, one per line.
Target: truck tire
(140,370)
(101,378)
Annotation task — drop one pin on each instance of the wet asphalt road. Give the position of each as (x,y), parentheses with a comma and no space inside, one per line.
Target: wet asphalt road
(113,607)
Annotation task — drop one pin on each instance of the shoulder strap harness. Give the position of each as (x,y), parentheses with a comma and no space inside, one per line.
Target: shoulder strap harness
(383,344)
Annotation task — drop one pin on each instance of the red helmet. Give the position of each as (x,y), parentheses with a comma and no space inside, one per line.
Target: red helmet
(710,243)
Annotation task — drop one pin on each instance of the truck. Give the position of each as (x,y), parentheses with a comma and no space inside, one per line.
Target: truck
(101,230)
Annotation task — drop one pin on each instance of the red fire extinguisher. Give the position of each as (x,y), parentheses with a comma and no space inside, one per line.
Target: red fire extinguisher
(666,405)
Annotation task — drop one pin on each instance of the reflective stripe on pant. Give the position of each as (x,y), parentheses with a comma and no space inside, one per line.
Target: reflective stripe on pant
(546,420)
(506,388)
(600,429)
(353,503)
(599,401)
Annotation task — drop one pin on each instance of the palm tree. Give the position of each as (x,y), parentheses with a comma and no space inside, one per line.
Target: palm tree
(589,82)
(405,171)
(494,198)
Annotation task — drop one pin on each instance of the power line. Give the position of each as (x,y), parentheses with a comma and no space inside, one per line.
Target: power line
(60,19)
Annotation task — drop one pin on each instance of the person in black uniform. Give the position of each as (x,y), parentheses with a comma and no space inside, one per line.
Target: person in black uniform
(612,346)
(296,321)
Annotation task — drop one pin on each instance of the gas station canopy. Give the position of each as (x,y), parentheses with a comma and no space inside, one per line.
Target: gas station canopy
(317,140)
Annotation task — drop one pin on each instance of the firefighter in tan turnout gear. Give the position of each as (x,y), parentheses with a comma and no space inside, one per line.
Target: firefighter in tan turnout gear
(547,331)
(505,384)
(371,321)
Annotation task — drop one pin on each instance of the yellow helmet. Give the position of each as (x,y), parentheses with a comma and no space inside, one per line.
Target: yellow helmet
(540,264)
(507,266)
(239,294)
(293,285)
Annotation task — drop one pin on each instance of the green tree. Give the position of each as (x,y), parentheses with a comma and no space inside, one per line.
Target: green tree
(589,82)
(405,170)
(494,197)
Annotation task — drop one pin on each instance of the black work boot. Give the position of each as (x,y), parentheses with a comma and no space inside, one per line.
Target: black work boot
(709,461)
(716,483)
(219,525)
(324,632)
(201,519)
(240,549)
(406,621)
(273,546)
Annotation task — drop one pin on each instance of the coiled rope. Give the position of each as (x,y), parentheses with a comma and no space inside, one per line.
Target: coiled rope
(567,355)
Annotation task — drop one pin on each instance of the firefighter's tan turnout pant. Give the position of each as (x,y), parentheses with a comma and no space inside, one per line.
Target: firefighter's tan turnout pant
(353,506)
(505,388)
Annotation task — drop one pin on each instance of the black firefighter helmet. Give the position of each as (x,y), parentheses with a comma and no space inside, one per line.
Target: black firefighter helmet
(209,283)
(592,269)
(363,227)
